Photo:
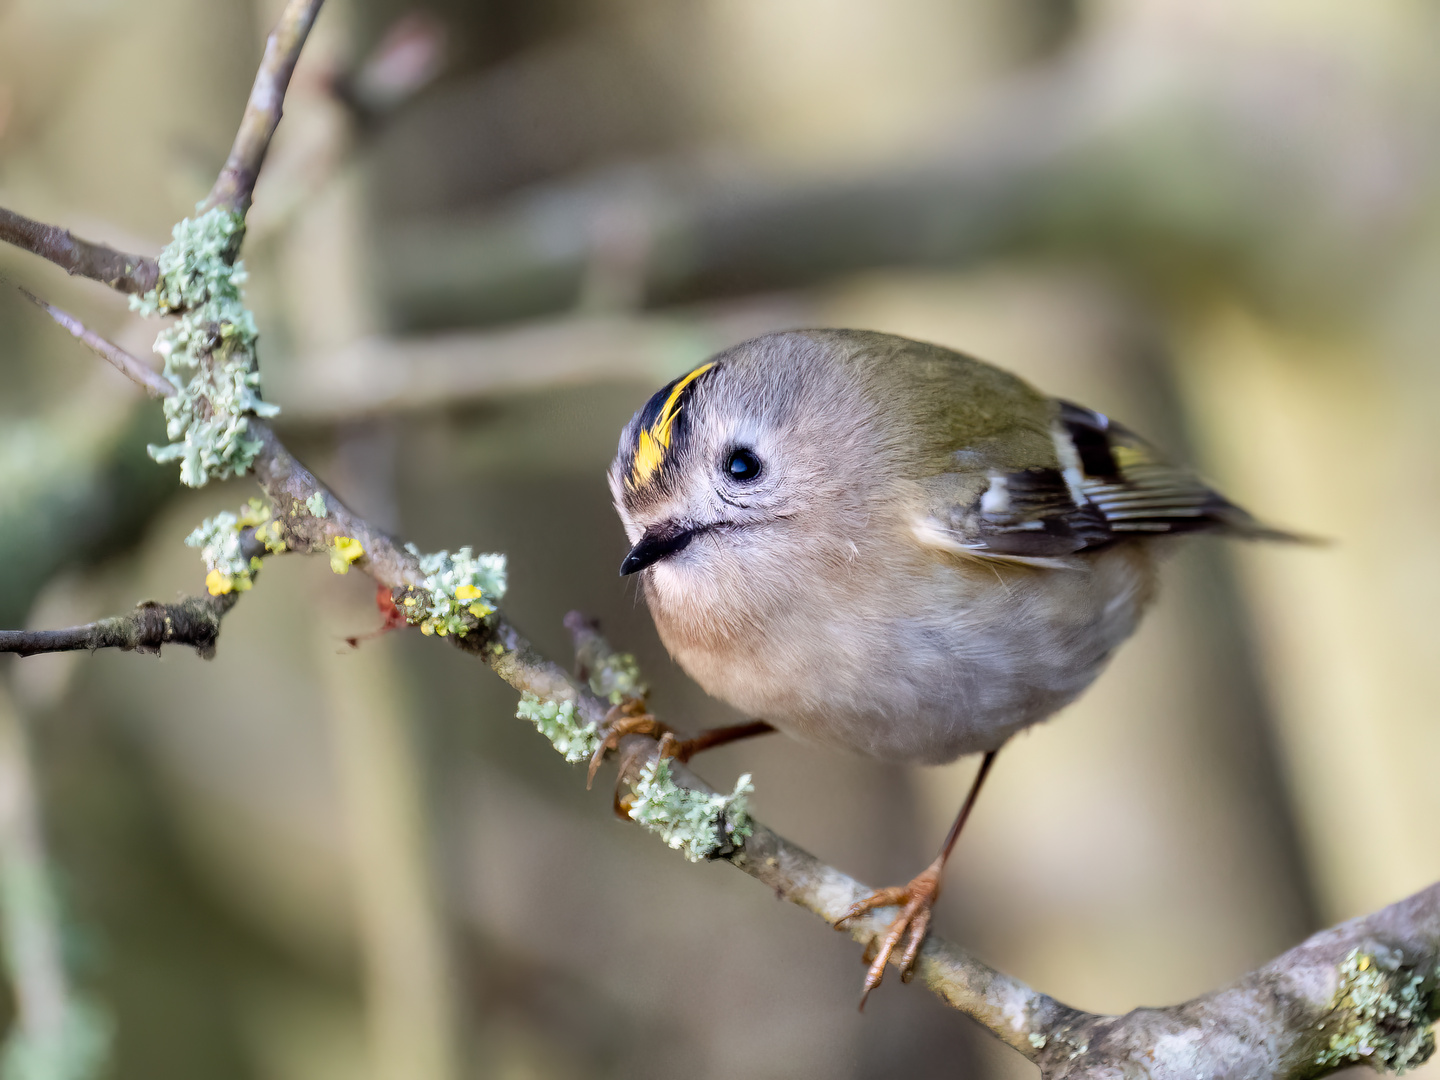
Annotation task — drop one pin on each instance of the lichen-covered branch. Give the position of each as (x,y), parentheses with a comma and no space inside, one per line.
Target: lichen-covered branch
(314,520)
(209,350)
(1012,1011)
(134,369)
(1363,992)
(121,271)
(236,183)
(193,621)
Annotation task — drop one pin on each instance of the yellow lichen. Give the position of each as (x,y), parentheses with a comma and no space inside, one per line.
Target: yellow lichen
(254,512)
(344,550)
(459,588)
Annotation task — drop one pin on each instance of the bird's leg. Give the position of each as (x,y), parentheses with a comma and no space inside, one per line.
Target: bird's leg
(630,718)
(682,750)
(915,900)
(627,718)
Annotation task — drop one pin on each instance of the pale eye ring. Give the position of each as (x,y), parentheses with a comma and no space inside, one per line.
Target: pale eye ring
(742,465)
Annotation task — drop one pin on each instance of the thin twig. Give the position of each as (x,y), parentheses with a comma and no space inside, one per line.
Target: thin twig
(155,384)
(118,269)
(235,185)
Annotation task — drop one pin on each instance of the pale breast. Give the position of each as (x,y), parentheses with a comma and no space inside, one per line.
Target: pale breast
(957,660)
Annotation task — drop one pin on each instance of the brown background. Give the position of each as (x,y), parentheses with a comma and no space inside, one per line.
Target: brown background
(1216,220)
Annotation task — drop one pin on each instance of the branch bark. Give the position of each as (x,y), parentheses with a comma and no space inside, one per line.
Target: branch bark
(132,367)
(193,621)
(235,185)
(118,269)
(1299,1016)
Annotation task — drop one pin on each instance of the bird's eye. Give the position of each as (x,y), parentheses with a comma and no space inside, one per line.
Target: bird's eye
(742,465)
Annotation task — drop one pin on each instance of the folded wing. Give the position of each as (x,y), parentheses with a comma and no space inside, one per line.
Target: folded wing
(1104,484)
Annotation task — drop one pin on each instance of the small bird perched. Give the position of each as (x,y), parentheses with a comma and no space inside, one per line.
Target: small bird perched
(886,546)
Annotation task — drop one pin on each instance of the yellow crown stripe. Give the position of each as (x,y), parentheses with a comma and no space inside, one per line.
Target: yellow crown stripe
(650,448)
(666,420)
(648,456)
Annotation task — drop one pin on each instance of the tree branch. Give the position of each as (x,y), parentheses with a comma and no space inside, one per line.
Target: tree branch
(193,621)
(124,272)
(236,183)
(1301,1015)
(133,368)
(1313,1009)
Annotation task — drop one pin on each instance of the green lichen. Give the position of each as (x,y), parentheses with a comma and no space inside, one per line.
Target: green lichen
(456,586)
(218,539)
(209,350)
(697,823)
(1381,1013)
(1037,1040)
(556,721)
(316,505)
(617,679)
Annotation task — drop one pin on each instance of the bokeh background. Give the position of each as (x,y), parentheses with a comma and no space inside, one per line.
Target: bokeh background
(487,231)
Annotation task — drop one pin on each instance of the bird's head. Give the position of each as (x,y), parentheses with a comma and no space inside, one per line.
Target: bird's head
(727,466)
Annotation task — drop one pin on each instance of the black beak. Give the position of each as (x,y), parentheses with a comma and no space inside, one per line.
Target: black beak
(658,542)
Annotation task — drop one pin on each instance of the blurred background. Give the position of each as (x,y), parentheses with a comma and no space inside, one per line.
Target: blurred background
(486,232)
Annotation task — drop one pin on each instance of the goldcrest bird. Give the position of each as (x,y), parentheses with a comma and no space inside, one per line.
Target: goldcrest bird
(885,546)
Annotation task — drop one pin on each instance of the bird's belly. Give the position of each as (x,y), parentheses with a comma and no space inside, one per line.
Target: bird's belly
(927,690)
(925,709)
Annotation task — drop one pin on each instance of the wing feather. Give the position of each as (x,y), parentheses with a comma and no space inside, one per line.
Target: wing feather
(1105,484)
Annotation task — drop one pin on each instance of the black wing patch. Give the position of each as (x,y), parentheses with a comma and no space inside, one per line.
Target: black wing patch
(1111,484)
(1089,434)
(1135,490)
(1032,514)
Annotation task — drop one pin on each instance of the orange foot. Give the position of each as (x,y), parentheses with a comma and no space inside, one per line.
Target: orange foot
(627,718)
(912,924)
(682,750)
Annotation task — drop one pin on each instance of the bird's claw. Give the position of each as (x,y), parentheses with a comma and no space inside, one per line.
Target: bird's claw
(627,718)
(679,749)
(916,901)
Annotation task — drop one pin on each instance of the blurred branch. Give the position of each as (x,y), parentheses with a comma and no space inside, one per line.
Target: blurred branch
(58,1035)
(236,183)
(134,369)
(704,235)
(698,228)
(127,273)
(410,976)
(388,375)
